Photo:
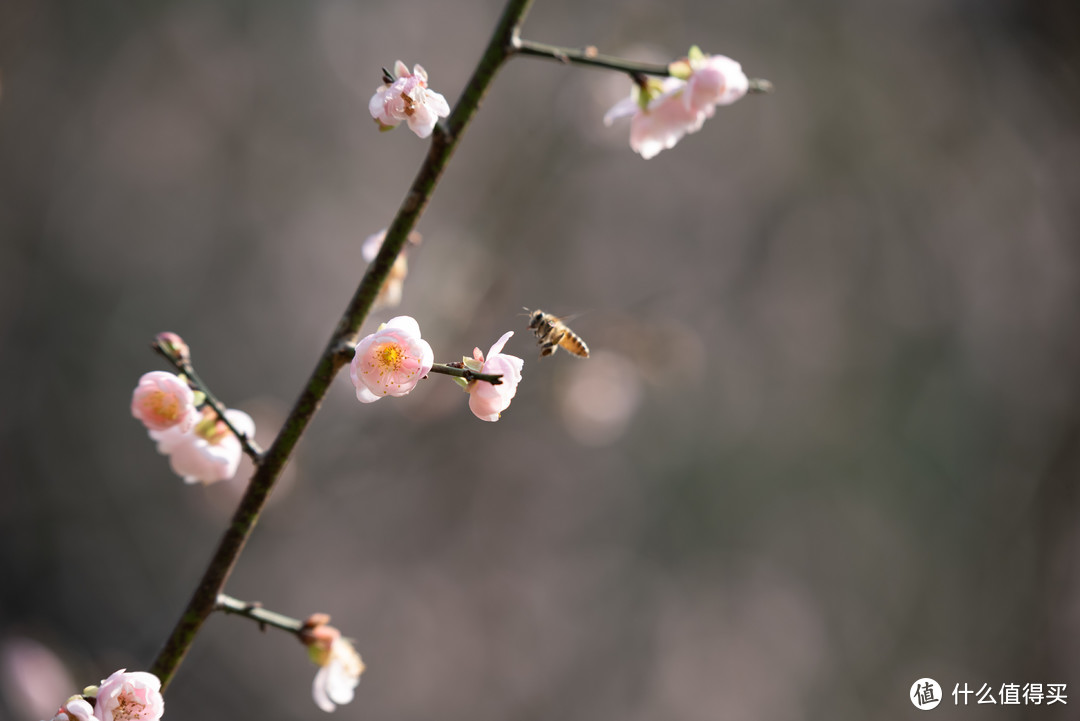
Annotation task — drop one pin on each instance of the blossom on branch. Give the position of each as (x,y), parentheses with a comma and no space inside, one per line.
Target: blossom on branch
(134,696)
(162,401)
(339,664)
(209,451)
(662,121)
(487,401)
(662,111)
(390,361)
(390,292)
(335,683)
(406,97)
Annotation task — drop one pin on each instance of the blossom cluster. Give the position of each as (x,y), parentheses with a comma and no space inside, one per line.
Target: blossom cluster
(200,446)
(123,696)
(661,112)
(392,361)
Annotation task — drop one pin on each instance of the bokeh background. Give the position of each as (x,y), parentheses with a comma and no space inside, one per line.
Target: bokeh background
(827,444)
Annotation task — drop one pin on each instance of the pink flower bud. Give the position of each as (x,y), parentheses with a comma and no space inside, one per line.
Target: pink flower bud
(408,98)
(174,344)
(162,401)
(488,401)
(134,696)
(390,361)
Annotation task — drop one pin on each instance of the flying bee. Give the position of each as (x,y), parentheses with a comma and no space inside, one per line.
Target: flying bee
(552,334)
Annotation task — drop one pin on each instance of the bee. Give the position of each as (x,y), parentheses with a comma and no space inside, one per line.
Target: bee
(552,334)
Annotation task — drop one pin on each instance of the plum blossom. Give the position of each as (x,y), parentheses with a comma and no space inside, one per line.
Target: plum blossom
(390,293)
(339,664)
(209,451)
(335,682)
(662,111)
(76,708)
(390,361)
(488,401)
(714,80)
(406,97)
(162,400)
(134,696)
(662,122)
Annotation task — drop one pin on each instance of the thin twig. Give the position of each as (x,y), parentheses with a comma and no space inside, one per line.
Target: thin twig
(589,56)
(184,366)
(255,612)
(456,369)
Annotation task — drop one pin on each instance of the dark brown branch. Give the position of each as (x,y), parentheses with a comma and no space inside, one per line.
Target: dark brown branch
(444,141)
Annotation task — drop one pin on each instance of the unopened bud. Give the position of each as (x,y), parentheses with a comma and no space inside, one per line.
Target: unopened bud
(174,345)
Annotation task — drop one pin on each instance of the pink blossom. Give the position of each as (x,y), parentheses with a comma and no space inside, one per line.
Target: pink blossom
(163,400)
(390,361)
(662,123)
(132,696)
(336,680)
(408,98)
(714,80)
(663,111)
(209,451)
(488,401)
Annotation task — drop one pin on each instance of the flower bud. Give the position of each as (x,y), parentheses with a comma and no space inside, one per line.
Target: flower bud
(174,345)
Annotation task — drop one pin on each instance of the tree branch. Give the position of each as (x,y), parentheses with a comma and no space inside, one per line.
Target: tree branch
(257,613)
(589,56)
(232,542)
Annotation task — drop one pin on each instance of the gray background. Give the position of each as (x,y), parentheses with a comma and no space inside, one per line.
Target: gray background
(826,445)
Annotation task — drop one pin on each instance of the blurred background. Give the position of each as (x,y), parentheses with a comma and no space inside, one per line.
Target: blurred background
(828,442)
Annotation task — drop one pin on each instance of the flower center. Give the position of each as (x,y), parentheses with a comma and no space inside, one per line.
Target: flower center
(165,405)
(127,708)
(390,356)
(211,428)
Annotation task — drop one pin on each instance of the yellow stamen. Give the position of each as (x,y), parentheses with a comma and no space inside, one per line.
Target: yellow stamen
(165,405)
(390,356)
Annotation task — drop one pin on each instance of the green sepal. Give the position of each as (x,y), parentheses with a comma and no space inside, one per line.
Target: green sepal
(319,655)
